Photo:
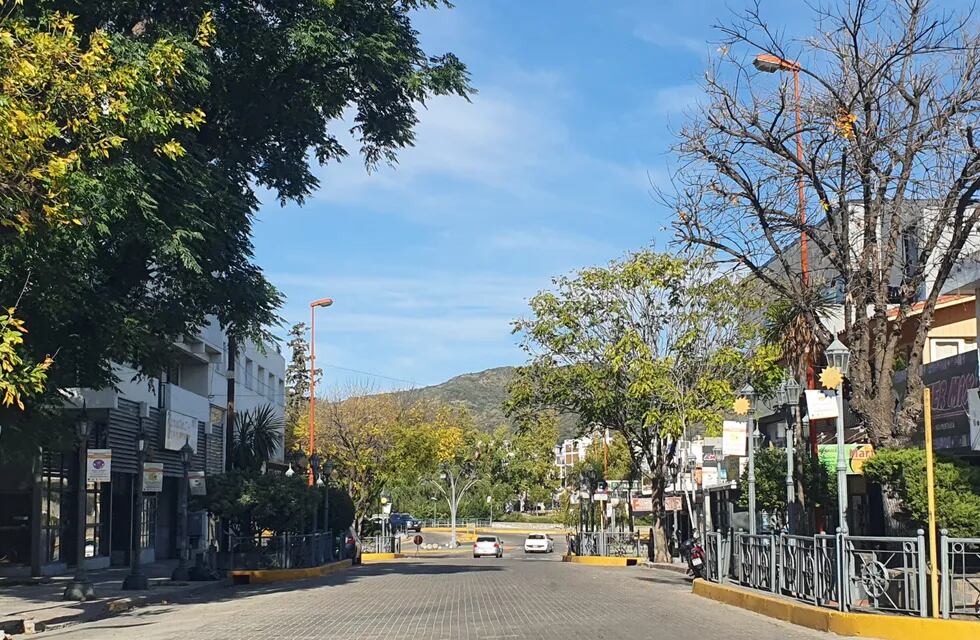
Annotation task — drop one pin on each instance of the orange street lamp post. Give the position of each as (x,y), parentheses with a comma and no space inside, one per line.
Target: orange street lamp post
(322,302)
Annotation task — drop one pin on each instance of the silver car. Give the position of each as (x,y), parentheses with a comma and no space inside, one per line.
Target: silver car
(488,546)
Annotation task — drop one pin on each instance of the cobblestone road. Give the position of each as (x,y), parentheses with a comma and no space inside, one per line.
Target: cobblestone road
(452,598)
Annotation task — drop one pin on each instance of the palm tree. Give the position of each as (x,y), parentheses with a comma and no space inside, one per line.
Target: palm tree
(788,325)
(258,434)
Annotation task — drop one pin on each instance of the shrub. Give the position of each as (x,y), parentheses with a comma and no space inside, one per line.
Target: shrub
(903,473)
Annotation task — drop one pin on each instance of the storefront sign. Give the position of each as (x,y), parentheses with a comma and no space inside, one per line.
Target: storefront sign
(673,503)
(181,429)
(196,483)
(855,454)
(99,465)
(709,476)
(733,438)
(152,477)
(642,506)
(821,404)
(950,380)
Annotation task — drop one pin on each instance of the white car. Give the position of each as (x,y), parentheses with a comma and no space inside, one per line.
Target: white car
(488,546)
(539,543)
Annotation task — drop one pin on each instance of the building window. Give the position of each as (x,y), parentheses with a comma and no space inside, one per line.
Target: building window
(54,485)
(947,348)
(148,523)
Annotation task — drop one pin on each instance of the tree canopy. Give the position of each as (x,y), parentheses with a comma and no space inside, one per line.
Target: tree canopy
(647,347)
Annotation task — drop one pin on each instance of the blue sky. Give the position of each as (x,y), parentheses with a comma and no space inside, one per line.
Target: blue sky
(547,170)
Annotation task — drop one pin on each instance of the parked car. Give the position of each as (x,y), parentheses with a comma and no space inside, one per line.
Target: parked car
(538,543)
(405,522)
(488,546)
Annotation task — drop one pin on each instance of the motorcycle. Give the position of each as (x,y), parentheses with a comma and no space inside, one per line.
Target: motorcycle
(696,558)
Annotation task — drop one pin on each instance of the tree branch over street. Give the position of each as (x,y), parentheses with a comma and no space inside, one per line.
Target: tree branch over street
(891,170)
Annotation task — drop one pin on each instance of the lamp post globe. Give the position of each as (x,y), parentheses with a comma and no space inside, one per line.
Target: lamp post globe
(80,588)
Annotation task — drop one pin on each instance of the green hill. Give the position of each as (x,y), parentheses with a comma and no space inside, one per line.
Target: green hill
(484,394)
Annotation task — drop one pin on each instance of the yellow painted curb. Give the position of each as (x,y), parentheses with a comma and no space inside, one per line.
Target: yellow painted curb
(380,557)
(602,561)
(260,576)
(862,625)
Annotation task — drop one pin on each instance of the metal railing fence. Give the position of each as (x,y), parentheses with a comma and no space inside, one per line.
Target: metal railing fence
(381,544)
(960,576)
(619,544)
(283,551)
(849,573)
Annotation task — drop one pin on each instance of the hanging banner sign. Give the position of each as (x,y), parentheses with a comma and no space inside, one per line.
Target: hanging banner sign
(820,404)
(854,454)
(99,465)
(642,506)
(673,503)
(196,483)
(152,477)
(180,430)
(733,437)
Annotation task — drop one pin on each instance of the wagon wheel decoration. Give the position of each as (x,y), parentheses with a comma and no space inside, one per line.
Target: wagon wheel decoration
(829,590)
(874,577)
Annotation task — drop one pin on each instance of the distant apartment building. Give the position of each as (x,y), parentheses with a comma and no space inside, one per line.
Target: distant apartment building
(573,450)
(186,404)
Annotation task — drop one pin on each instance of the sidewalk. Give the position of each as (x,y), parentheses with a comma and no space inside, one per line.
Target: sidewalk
(39,603)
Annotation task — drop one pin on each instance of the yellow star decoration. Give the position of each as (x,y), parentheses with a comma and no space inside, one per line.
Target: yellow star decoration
(741,405)
(831,378)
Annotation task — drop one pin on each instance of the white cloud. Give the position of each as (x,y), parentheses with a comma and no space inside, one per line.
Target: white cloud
(658,35)
(677,99)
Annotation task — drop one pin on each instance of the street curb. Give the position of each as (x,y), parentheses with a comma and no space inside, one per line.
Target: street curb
(663,566)
(602,561)
(380,557)
(263,576)
(863,625)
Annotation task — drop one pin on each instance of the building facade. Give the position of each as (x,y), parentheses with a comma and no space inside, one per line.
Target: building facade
(188,404)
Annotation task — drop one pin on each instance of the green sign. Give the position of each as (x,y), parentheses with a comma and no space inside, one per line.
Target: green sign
(855,454)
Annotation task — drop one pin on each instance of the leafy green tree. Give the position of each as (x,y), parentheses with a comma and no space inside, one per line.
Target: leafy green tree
(165,241)
(902,472)
(297,384)
(251,502)
(770,482)
(646,347)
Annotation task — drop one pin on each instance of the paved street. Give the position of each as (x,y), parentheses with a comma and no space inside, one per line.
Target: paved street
(452,598)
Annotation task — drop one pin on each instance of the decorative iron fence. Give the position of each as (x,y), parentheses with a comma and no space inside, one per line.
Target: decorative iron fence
(381,544)
(620,544)
(960,573)
(283,551)
(850,573)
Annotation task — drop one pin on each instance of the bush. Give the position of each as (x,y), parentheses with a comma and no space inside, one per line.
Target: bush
(770,481)
(903,473)
(250,501)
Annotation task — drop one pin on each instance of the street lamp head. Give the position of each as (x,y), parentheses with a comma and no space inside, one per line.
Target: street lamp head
(768,63)
(328,468)
(315,462)
(186,451)
(289,472)
(320,482)
(141,442)
(839,356)
(780,395)
(83,425)
(322,302)
(792,390)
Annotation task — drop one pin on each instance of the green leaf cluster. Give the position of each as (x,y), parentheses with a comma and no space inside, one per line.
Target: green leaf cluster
(903,472)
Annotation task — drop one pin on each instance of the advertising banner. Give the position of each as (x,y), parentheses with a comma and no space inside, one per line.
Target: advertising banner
(196,483)
(821,404)
(673,503)
(733,438)
(99,465)
(855,454)
(180,429)
(642,506)
(152,477)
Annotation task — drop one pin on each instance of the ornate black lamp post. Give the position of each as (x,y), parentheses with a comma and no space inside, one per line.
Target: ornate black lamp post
(183,572)
(80,588)
(136,580)
(788,395)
